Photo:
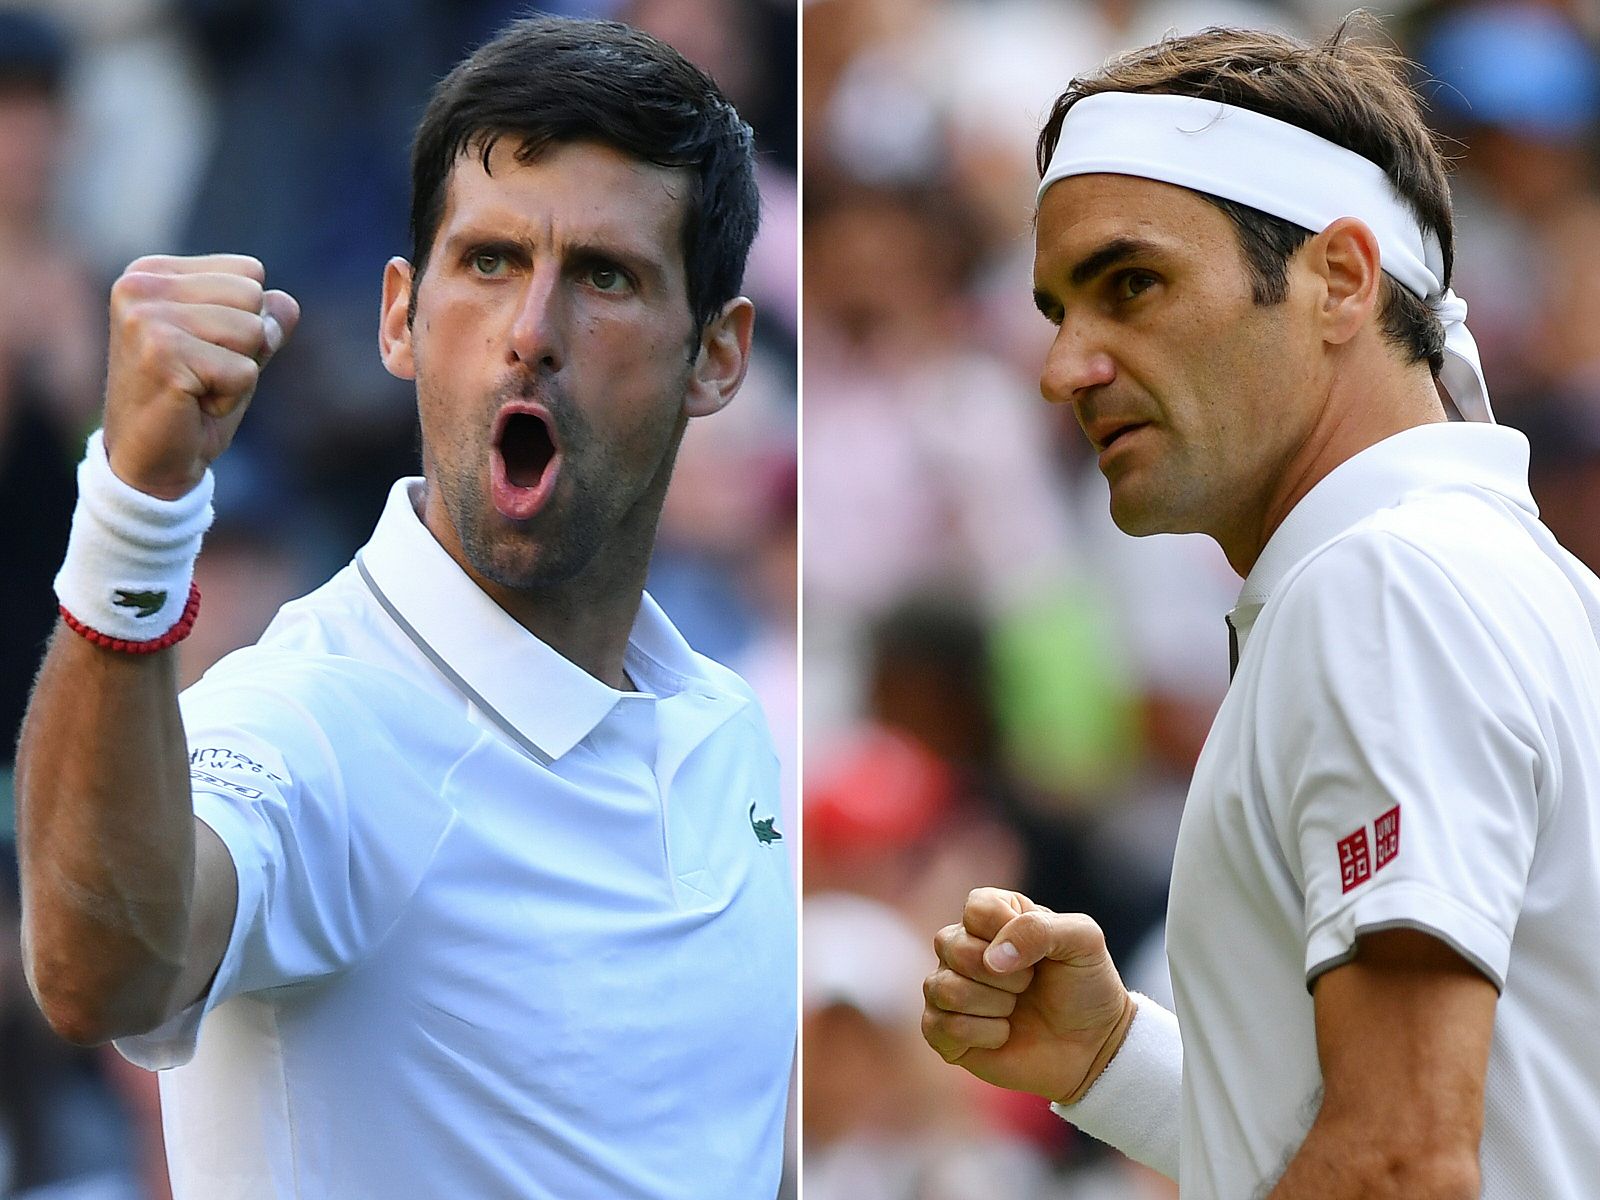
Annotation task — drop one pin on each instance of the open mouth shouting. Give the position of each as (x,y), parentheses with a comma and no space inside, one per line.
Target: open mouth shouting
(525,462)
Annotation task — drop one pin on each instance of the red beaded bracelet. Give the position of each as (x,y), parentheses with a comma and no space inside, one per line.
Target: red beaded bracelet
(171,637)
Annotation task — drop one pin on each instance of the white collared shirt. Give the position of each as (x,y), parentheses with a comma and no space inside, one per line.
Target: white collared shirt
(1412,739)
(502,930)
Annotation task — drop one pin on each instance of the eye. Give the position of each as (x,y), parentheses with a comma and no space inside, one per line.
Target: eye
(605,278)
(1127,285)
(489,263)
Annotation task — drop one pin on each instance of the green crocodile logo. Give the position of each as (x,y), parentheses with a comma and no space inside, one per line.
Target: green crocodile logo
(765,833)
(148,603)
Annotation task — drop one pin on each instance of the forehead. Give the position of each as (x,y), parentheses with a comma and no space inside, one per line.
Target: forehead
(570,191)
(1084,212)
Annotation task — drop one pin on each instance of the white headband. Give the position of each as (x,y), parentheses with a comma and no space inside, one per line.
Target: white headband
(1282,170)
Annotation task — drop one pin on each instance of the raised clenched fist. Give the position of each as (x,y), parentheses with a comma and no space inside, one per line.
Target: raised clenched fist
(1023,997)
(189,337)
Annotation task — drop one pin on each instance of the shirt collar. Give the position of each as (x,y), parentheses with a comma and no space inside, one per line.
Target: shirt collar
(549,703)
(1444,454)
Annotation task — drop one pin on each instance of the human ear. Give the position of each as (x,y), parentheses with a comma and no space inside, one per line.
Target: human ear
(1345,258)
(394,321)
(722,359)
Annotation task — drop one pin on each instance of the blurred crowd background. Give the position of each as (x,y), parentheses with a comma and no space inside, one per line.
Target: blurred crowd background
(281,128)
(1000,688)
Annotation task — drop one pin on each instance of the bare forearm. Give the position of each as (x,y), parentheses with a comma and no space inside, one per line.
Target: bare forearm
(1355,1163)
(106,838)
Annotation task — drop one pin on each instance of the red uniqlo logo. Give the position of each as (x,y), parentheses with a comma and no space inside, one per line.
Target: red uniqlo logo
(1386,839)
(1355,866)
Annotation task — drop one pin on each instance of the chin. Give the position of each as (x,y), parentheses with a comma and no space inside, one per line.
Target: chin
(524,565)
(1140,517)
(1134,518)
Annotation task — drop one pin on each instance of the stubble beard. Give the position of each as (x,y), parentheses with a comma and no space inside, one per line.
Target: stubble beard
(587,513)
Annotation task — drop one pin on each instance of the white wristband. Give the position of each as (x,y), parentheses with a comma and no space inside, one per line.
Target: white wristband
(1136,1103)
(130,556)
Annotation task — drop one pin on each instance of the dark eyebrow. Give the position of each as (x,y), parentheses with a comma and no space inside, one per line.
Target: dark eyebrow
(1096,262)
(1109,255)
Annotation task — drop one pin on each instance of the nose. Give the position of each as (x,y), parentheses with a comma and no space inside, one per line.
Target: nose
(538,326)
(1076,363)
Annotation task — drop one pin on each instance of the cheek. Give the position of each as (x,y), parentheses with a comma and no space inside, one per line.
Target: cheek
(642,374)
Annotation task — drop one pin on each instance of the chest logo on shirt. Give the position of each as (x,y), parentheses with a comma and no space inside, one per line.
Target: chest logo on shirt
(1359,858)
(765,833)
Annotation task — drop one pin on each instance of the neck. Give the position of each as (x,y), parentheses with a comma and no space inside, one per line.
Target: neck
(588,617)
(1355,413)
(586,620)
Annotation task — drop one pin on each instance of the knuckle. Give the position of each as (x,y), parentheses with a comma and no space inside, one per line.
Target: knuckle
(981,896)
(996,1033)
(243,374)
(1030,928)
(176,377)
(252,291)
(147,264)
(1085,932)
(132,287)
(158,342)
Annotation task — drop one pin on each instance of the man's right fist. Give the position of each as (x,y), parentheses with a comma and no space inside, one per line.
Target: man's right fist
(1023,997)
(189,337)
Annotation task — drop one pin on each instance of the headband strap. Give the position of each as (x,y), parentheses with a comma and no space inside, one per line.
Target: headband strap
(1279,169)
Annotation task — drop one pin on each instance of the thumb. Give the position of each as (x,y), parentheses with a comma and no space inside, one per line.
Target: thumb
(280,314)
(1040,934)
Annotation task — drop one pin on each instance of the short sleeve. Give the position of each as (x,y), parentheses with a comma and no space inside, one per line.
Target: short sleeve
(1403,751)
(323,871)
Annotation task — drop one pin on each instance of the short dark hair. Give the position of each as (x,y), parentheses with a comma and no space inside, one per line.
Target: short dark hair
(550,80)
(1350,92)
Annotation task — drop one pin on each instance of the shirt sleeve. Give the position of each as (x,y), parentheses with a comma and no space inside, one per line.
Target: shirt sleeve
(323,870)
(1403,752)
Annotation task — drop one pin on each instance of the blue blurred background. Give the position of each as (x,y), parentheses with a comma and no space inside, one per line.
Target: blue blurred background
(1001,688)
(281,128)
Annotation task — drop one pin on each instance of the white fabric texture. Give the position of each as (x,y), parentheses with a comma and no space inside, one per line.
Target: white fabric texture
(502,930)
(1279,169)
(1136,1104)
(130,556)
(1412,739)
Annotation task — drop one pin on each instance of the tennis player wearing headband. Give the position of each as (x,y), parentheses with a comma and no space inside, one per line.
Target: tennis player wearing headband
(1387,882)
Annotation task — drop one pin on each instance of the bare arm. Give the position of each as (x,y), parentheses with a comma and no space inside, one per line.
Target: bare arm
(1403,1036)
(127,899)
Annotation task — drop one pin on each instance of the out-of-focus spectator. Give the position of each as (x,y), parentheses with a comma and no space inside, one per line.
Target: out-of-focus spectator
(1518,85)
(50,341)
(880,1121)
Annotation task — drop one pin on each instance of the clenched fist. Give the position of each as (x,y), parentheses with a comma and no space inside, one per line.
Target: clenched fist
(1024,998)
(189,337)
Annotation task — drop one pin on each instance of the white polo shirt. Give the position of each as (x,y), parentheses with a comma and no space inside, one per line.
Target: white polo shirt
(1412,739)
(502,931)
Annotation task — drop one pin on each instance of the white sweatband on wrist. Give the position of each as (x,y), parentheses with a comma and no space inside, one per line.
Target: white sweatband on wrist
(1280,169)
(130,556)
(1136,1103)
